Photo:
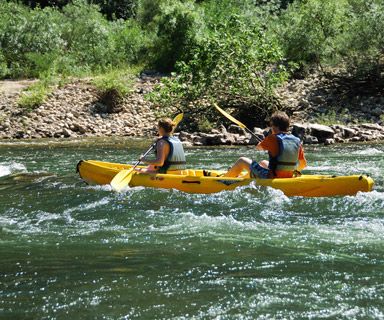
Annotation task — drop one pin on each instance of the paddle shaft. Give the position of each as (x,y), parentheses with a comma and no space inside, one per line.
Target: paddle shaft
(144,155)
(234,120)
(252,133)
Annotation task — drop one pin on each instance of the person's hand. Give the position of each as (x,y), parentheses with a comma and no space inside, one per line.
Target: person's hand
(142,158)
(266,133)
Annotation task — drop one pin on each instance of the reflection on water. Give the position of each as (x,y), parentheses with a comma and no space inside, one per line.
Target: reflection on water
(68,249)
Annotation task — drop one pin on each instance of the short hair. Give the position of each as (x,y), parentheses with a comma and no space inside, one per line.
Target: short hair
(281,120)
(167,124)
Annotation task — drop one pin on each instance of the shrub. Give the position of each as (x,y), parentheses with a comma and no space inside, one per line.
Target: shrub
(362,43)
(34,96)
(307,30)
(177,27)
(112,87)
(76,40)
(238,66)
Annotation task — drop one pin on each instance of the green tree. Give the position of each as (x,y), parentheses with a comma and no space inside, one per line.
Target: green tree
(237,66)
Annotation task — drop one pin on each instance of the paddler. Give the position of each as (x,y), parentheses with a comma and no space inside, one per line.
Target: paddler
(286,154)
(169,150)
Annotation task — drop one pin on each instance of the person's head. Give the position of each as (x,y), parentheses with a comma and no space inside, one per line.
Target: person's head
(165,126)
(279,122)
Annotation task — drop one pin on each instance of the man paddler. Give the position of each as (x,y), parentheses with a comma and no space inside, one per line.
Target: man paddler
(169,150)
(286,154)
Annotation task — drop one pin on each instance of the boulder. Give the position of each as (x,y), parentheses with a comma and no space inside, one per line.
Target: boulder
(348,132)
(235,129)
(308,139)
(321,132)
(329,142)
(299,130)
(372,126)
(259,136)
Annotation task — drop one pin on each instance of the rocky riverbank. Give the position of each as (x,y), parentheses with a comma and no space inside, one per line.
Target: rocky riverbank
(309,133)
(74,110)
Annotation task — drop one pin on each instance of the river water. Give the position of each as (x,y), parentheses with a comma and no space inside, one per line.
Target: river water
(72,250)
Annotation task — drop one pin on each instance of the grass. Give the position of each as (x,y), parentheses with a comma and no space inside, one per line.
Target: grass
(120,80)
(33,96)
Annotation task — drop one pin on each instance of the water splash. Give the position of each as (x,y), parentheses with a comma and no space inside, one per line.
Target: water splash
(12,167)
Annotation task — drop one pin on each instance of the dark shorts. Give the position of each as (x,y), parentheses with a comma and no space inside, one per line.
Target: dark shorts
(257,171)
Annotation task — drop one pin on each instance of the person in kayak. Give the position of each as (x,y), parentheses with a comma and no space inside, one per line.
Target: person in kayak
(286,154)
(169,150)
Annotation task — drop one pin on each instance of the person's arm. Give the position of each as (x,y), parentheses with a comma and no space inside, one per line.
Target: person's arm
(302,161)
(162,153)
(264,144)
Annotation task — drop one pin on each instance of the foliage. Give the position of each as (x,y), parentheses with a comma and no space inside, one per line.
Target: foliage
(345,33)
(121,81)
(237,66)
(362,43)
(73,41)
(230,51)
(111,8)
(112,88)
(33,96)
(308,29)
(177,28)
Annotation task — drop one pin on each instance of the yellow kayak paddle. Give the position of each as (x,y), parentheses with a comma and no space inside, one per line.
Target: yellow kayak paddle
(240,124)
(123,178)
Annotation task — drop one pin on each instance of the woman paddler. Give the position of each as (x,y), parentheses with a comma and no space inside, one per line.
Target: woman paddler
(169,150)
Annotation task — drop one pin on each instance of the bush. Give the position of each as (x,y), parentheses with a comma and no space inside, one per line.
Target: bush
(23,32)
(113,9)
(112,88)
(177,27)
(76,40)
(34,96)
(308,30)
(362,43)
(238,66)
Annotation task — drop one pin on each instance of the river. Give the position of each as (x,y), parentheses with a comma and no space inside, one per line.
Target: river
(72,250)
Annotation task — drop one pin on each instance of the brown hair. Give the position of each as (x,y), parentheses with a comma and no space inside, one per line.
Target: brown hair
(281,120)
(167,124)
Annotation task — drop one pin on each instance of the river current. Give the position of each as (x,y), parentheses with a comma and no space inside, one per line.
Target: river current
(72,250)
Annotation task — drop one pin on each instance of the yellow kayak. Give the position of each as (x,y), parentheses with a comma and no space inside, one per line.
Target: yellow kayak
(194,181)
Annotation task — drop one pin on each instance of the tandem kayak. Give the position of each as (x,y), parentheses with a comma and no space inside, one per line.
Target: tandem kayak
(194,181)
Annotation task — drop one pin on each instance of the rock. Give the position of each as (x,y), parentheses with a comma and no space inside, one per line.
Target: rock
(187,144)
(339,140)
(372,126)
(235,129)
(348,132)
(184,136)
(308,139)
(321,132)
(318,100)
(254,140)
(299,130)
(223,129)
(304,103)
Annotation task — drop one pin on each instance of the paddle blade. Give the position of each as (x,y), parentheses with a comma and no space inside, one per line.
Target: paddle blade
(122,179)
(229,117)
(178,118)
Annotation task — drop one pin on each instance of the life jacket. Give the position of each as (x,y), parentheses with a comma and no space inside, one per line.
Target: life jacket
(288,156)
(176,156)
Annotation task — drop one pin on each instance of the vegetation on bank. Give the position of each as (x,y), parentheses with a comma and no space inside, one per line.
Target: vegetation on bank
(232,52)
